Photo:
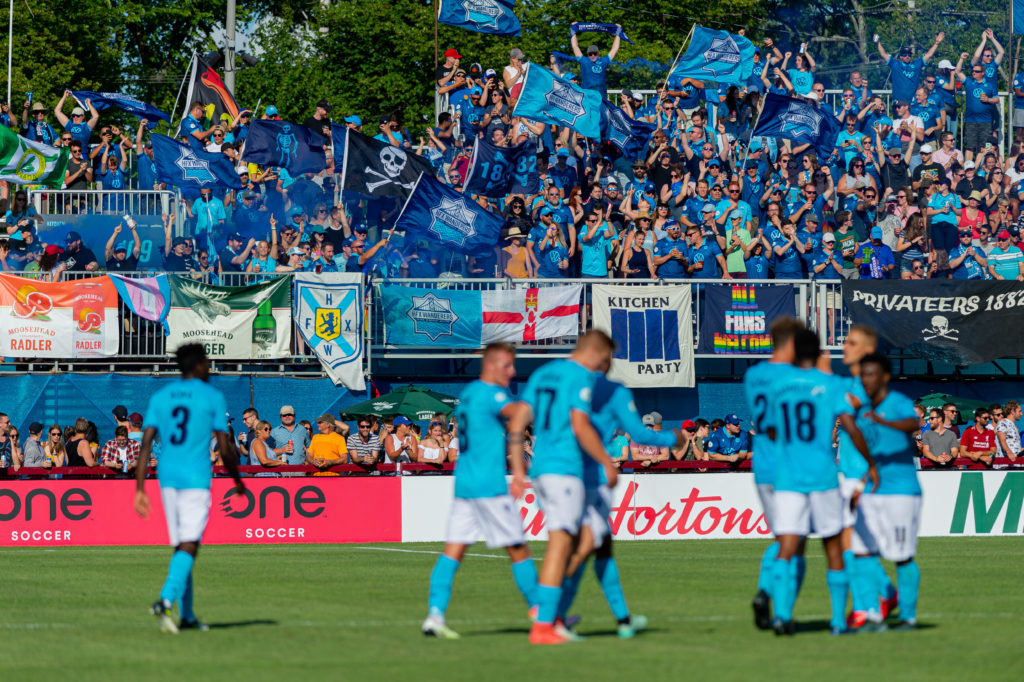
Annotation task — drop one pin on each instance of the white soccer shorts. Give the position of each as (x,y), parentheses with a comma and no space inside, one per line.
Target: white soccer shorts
(887,525)
(797,513)
(562,500)
(598,509)
(847,487)
(766,491)
(495,518)
(187,511)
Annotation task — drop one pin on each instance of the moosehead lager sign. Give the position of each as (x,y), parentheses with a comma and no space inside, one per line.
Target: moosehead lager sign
(988,503)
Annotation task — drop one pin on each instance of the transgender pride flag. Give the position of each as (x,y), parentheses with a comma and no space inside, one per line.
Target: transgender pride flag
(147,297)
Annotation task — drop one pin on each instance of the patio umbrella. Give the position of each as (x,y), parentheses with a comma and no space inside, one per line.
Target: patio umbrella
(965,406)
(415,403)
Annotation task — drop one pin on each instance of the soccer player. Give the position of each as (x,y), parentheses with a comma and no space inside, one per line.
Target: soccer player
(889,516)
(804,407)
(560,395)
(185,412)
(484,504)
(758,383)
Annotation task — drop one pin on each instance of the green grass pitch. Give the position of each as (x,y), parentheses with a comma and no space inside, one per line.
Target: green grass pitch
(342,612)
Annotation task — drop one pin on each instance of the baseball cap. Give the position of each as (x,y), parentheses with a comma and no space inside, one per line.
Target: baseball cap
(546,211)
(78,111)
(242,169)
(120,412)
(562,152)
(876,232)
(121,246)
(135,418)
(72,237)
(515,53)
(296,251)
(732,419)
(969,164)
(946,64)
(708,208)
(885,121)
(178,241)
(811,217)
(649,187)
(926,149)
(452,52)
(811,96)
(490,72)
(651,419)
(235,237)
(287,409)
(271,110)
(714,162)
(905,51)
(1003,234)
(53,250)
(35,427)
(689,424)
(900,103)
(477,90)
(592,49)
(828,237)
(399,420)
(628,94)
(326,418)
(324,104)
(739,214)
(354,120)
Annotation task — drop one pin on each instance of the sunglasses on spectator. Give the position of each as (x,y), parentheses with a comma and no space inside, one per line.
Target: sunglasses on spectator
(54,434)
(65,139)
(918,267)
(364,426)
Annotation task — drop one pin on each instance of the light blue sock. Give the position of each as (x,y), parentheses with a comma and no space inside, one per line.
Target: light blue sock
(783,589)
(863,583)
(801,570)
(885,587)
(764,578)
(185,606)
(909,578)
(177,576)
(547,603)
(525,574)
(441,579)
(607,571)
(838,589)
(570,586)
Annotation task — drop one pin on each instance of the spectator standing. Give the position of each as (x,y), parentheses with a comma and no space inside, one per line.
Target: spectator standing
(56,455)
(978,442)
(79,454)
(291,437)
(327,448)
(1007,435)
(117,258)
(33,454)
(874,258)
(939,445)
(35,127)
(904,70)
(76,126)
(76,257)
(78,173)
(593,67)
(981,99)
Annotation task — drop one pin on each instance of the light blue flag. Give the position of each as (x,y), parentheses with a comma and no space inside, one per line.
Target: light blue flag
(415,316)
(546,98)
(483,16)
(1017,17)
(717,56)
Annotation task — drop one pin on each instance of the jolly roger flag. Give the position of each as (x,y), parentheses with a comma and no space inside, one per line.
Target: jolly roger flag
(374,167)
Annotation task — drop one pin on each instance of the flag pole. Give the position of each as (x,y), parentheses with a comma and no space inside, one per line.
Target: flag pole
(682,47)
(188,73)
(751,139)
(437,10)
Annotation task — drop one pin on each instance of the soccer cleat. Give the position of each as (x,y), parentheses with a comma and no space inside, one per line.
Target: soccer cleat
(856,619)
(194,624)
(162,610)
(762,605)
(534,610)
(436,627)
(573,620)
(544,633)
(564,631)
(887,606)
(636,624)
(904,626)
(784,628)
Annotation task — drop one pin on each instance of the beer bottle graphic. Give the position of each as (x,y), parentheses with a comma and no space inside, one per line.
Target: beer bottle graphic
(264,330)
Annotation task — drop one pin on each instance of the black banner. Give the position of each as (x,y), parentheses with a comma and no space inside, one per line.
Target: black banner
(735,318)
(961,322)
(374,167)
(499,171)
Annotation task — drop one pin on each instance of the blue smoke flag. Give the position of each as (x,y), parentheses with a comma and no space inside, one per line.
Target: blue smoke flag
(415,316)
(179,165)
(601,28)
(717,56)
(287,145)
(136,107)
(628,134)
(483,16)
(798,120)
(439,214)
(339,134)
(1017,17)
(546,98)
(499,171)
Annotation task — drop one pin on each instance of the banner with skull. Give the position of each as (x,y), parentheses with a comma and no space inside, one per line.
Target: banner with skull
(380,169)
(960,322)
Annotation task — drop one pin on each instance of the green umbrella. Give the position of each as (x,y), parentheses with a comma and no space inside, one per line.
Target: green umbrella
(965,406)
(412,402)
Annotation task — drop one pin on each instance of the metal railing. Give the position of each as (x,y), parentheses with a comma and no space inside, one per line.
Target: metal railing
(101,201)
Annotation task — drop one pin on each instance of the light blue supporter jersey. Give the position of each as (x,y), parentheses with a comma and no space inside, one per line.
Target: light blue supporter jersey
(758,386)
(805,406)
(480,471)
(893,450)
(186,413)
(553,392)
(851,463)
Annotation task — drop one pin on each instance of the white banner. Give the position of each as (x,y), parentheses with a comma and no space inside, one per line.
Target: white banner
(653,329)
(329,316)
(518,315)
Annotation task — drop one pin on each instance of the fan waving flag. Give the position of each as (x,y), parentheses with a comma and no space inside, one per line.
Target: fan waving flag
(498,171)
(378,168)
(136,107)
(287,145)
(179,165)
(206,87)
(546,98)
(628,134)
(717,56)
(530,314)
(483,16)
(24,162)
(339,134)
(798,120)
(437,213)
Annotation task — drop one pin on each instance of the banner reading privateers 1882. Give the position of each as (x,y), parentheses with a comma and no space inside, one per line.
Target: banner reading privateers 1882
(58,320)
(234,323)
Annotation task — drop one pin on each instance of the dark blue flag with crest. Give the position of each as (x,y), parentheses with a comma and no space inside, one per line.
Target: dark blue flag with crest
(628,134)
(339,134)
(179,165)
(288,145)
(136,107)
(499,171)
(1017,17)
(439,214)
(717,56)
(800,121)
(483,16)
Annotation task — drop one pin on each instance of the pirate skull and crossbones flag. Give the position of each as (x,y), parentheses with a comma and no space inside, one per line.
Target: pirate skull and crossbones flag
(961,322)
(374,167)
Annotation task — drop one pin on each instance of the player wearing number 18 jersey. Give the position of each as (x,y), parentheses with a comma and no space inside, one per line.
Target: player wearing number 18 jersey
(184,413)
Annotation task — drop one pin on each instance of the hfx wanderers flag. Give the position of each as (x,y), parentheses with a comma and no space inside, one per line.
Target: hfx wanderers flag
(24,162)
(287,145)
(427,317)
(179,165)
(329,316)
(499,171)
(798,120)
(717,56)
(483,16)
(378,168)
(628,134)
(136,107)
(546,98)
(440,214)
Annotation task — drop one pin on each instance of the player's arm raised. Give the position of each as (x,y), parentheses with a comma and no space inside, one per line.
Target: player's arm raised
(850,424)
(590,441)
(518,416)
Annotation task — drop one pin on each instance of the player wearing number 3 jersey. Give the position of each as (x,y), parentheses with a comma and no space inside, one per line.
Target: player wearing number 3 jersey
(184,413)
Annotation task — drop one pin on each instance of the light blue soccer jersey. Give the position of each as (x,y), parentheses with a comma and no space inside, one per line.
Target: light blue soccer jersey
(758,385)
(185,413)
(553,392)
(480,471)
(893,450)
(851,463)
(806,404)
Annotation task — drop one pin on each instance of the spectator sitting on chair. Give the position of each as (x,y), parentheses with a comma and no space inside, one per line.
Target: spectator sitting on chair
(978,443)
(939,445)
(401,445)
(328,448)
(692,450)
(649,455)
(434,448)
(260,450)
(729,443)
(364,444)
(120,450)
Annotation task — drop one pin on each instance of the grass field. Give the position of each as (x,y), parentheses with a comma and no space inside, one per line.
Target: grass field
(347,612)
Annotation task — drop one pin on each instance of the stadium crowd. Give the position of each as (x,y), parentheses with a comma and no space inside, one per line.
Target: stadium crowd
(916,186)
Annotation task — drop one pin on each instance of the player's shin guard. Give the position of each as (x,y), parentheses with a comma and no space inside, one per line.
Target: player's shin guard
(525,574)
(784,588)
(908,577)
(177,576)
(608,575)
(441,579)
(185,607)
(838,589)
(863,583)
(764,578)
(570,586)
(548,597)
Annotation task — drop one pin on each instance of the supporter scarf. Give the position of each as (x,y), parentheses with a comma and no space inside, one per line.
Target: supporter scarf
(600,28)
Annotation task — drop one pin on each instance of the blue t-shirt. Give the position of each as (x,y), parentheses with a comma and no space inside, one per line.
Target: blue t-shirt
(970,268)
(548,258)
(613,408)
(724,443)
(905,77)
(672,267)
(939,201)
(594,73)
(788,265)
(978,111)
(830,271)
(1006,263)
(991,72)
(594,253)
(147,172)
(1018,83)
(943,97)
(553,392)
(873,259)
(480,471)
(804,405)
(802,81)
(112,179)
(707,253)
(79,131)
(759,388)
(185,413)
(757,267)
(893,450)
(189,125)
(929,115)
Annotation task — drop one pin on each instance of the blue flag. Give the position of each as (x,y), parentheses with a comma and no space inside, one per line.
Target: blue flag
(179,165)
(800,121)
(431,317)
(136,107)
(438,213)
(499,171)
(601,28)
(546,98)
(717,56)
(1017,17)
(287,145)
(483,16)
(628,134)
(339,134)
